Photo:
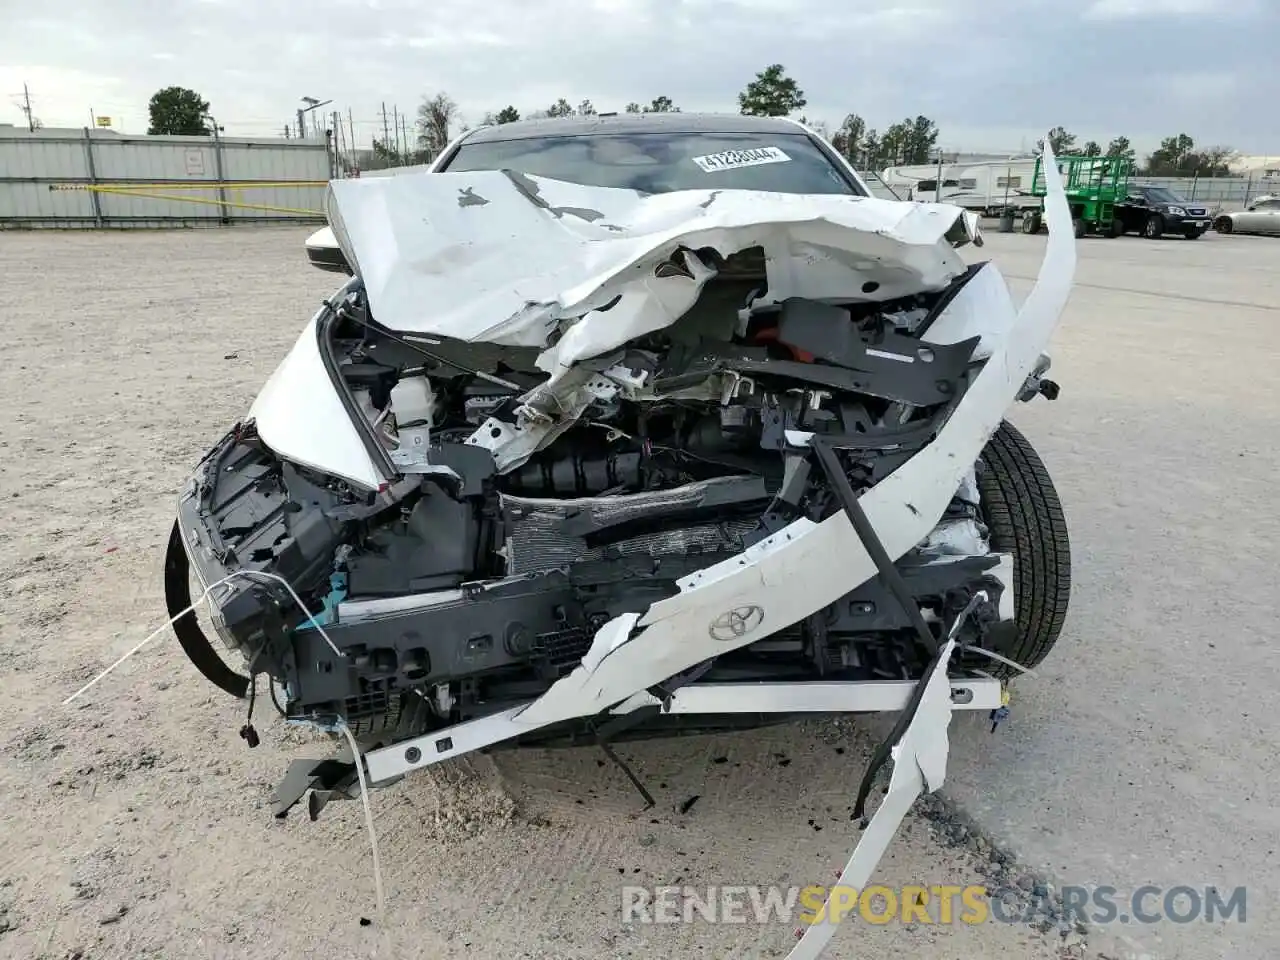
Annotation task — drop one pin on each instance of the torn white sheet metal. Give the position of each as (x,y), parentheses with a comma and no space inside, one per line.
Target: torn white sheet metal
(502,257)
(678,632)
(919,766)
(301,417)
(630,654)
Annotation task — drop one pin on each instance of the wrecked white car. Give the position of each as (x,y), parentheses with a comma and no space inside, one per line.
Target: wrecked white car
(631,426)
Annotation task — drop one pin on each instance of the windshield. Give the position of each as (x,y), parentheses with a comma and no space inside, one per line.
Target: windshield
(1163,195)
(664,162)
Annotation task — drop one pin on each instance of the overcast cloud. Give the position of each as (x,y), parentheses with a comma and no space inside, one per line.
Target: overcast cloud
(993,73)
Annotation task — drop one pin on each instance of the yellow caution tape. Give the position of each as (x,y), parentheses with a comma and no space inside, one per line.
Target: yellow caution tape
(203,185)
(144,192)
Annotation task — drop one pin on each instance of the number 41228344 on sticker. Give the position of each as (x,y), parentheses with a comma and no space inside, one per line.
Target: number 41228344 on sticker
(730,159)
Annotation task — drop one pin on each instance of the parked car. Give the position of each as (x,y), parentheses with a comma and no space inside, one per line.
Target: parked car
(1154,211)
(1260,215)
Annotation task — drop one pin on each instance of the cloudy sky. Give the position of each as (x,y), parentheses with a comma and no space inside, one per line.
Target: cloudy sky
(992,73)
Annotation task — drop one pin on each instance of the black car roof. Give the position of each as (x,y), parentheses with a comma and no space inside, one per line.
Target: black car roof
(633,123)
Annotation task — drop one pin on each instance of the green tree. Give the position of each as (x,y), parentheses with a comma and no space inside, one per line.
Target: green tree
(586,109)
(1120,147)
(179,112)
(909,141)
(921,139)
(848,140)
(771,94)
(1091,149)
(1208,162)
(661,105)
(507,114)
(893,145)
(386,155)
(634,107)
(872,150)
(561,108)
(1061,139)
(1170,158)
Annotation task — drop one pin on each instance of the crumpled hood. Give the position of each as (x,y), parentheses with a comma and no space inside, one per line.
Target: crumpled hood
(501,257)
(507,258)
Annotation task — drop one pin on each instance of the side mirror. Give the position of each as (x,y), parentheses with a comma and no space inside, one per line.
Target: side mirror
(325,254)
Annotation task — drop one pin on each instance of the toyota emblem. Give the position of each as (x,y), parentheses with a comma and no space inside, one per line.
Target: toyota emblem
(736,623)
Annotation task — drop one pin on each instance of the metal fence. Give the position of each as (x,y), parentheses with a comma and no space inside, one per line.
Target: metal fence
(1229,193)
(90,178)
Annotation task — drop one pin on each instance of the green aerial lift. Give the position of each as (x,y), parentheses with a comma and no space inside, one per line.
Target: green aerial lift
(1094,185)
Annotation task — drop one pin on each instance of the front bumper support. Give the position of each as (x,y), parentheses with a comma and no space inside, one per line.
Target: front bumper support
(388,763)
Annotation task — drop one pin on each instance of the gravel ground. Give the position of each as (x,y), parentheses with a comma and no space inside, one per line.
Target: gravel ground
(137,823)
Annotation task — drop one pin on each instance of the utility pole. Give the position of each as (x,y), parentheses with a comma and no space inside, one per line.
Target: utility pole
(351,127)
(386,136)
(339,142)
(26,108)
(407,144)
(302,125)
(395,125)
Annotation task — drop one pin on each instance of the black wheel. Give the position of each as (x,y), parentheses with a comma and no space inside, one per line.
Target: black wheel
(1154,227)
(1079,227)
(1223,225)
(1031,222)
(1117,227)
(1024,516)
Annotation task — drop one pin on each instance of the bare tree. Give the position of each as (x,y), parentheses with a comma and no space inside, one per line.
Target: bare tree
(436,116)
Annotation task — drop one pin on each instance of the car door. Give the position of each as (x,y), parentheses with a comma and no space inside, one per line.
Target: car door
(1133,210)
(1266,217)
(1246,220)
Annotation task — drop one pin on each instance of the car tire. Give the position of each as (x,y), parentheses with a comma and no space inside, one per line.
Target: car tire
(1079,228)
(1223,225)
(1031,222)
(1024,516)
(1153,229)
(1117,228)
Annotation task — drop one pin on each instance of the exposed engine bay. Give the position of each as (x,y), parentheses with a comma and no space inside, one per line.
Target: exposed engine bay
(479,578)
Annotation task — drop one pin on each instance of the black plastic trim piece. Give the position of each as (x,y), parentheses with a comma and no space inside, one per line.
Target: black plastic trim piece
(177,598)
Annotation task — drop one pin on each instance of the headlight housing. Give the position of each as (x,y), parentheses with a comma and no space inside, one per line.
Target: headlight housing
(1178,211)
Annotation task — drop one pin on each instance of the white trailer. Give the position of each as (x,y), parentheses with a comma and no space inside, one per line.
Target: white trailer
(986,187)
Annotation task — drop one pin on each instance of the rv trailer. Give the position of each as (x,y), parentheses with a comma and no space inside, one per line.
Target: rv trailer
(986,187)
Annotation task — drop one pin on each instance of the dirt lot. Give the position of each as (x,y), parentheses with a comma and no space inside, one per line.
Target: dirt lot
(136,822)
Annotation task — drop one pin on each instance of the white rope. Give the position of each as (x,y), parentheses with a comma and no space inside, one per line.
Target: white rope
(195,603)
(368,811)
(1005,660)
(342,725)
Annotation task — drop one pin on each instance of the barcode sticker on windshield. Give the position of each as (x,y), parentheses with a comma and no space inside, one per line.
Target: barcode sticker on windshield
(731,159)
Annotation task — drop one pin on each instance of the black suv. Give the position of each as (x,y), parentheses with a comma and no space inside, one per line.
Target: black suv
(1154,211)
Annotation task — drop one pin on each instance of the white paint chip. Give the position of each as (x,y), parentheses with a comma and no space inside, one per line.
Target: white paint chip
(733,159)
